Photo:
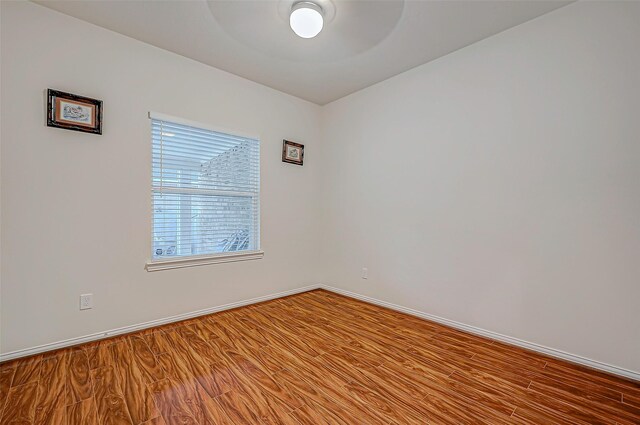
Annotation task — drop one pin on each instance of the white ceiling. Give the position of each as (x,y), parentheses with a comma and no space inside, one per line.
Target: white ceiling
(366,41)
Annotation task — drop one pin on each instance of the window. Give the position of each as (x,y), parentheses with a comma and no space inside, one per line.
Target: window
(206,195)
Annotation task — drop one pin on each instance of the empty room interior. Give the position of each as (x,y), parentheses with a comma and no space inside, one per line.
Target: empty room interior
(344,212)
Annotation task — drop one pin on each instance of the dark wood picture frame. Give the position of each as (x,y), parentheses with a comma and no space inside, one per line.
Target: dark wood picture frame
(86,116)
(286,157)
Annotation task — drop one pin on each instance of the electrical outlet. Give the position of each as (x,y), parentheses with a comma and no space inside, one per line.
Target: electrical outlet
(365,273)
(86,301)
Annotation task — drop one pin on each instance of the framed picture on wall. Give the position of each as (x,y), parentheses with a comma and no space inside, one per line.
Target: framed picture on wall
(73,112)
(293,153)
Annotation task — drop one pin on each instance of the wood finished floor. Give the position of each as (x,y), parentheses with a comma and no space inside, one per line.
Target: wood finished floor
(312,358)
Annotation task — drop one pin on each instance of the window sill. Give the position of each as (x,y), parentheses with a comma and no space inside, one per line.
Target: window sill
(180,262)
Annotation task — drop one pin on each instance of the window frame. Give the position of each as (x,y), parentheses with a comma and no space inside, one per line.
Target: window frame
(213,258)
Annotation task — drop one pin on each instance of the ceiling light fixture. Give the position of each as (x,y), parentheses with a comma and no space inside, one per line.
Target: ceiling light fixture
(306,19)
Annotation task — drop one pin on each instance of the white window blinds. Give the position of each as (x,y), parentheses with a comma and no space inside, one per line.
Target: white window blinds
(206,191)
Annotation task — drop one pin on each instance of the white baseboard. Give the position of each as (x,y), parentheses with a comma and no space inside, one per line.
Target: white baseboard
(140,326)
(573,358)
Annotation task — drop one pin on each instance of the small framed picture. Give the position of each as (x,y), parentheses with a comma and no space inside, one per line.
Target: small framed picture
(72,112)
(293,153)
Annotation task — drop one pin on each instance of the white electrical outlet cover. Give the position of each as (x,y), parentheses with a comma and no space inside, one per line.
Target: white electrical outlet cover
(86,301)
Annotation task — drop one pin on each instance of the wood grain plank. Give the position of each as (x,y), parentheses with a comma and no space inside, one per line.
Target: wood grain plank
(266,358)
(316,401)
(624,384)
(311,358)
(266,404)
(183,403)
(602,407)
(155,342)
(155,421)
(206,353)
(55,417)
(328,384)
(172,398)
(110,402)
(99,354)
(203,331)
(146,360)
(565,371)
(579,386)
(140,403)
(27,371)
(384,407)
(631,400)
(252,376)
(220,377)
(6,377)
(241,409)
(51,398)
(314,413)
(529,401)
(189,364)
(395,383)
(20,407)
(78,387)
(528,416)
(83,412)
(559,408)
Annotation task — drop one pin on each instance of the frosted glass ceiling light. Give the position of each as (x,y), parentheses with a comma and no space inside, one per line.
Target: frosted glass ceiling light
(306,19)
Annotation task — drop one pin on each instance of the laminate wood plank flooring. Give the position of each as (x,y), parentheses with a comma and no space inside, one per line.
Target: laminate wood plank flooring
(312,358)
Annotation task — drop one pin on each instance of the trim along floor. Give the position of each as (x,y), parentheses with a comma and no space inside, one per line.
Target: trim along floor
(311,358)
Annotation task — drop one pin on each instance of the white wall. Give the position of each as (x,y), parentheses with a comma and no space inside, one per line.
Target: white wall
(76,207)
(499,186)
